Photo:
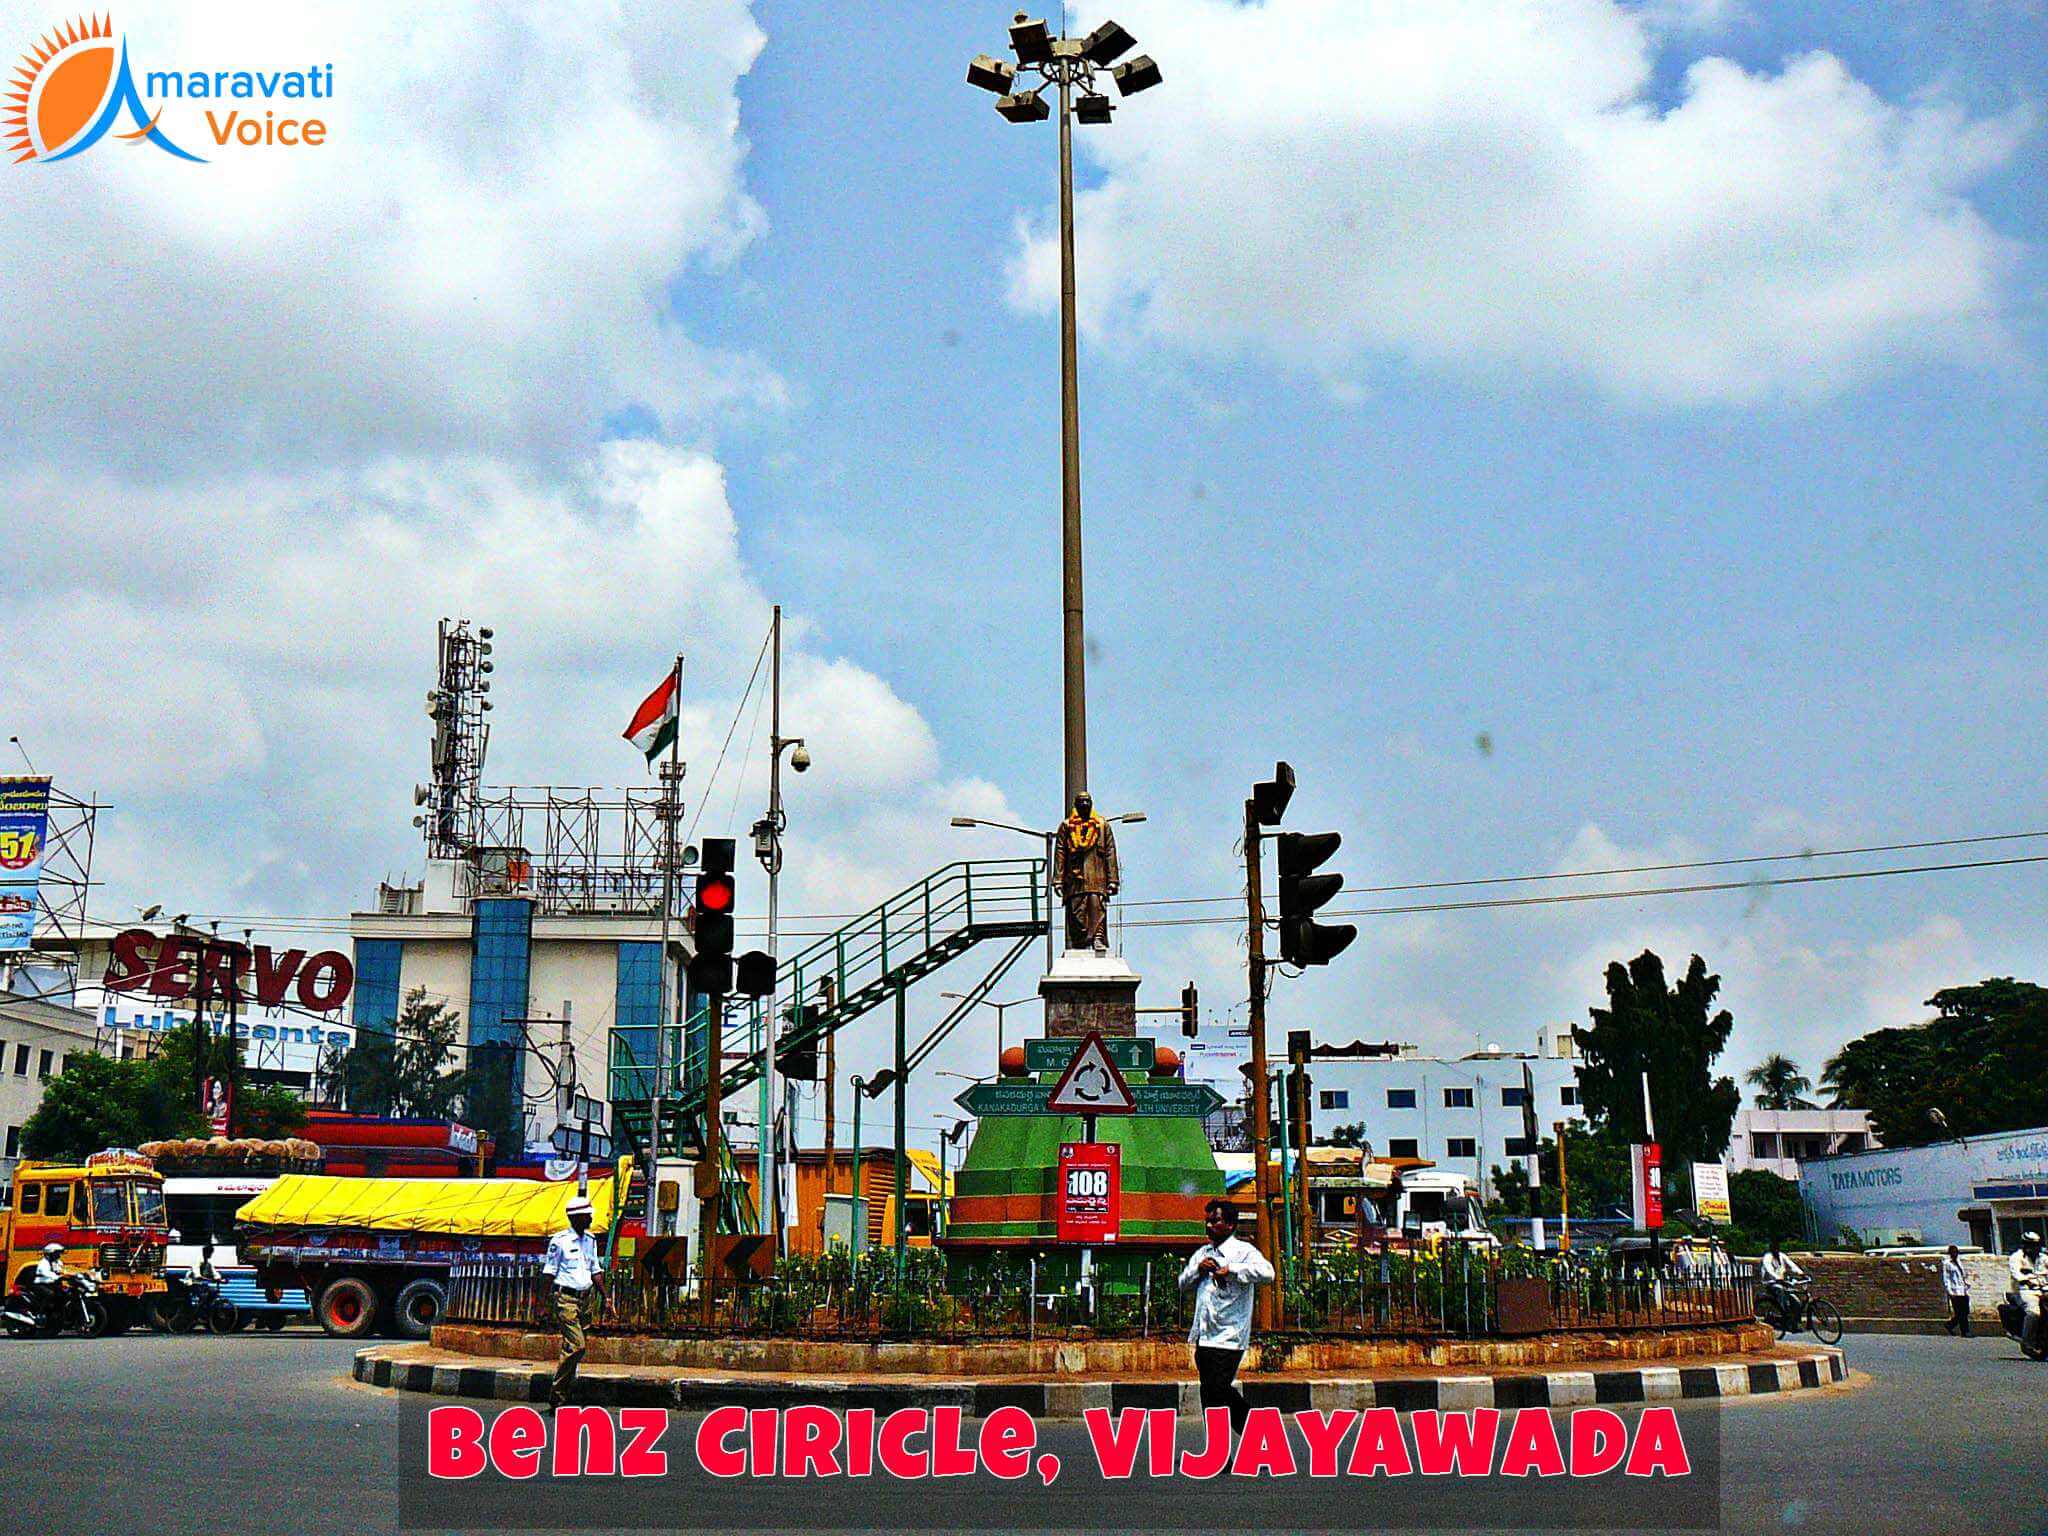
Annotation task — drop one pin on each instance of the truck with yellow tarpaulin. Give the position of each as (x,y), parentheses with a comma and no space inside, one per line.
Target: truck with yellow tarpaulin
(374,1254)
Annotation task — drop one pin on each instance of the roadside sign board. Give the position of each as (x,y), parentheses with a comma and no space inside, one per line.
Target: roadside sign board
(1186,1100)
(1646,1185)
(1130,1053)
(1089,1203)
(1710,1192)
(596,1111)
(1091,1085)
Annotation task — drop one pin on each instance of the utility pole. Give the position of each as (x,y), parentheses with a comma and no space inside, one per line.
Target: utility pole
(902,1129)
(709,1173)
(768,1157)
(1262,1127)
(831,1088)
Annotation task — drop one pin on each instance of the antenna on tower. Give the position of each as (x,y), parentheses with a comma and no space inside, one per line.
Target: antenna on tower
(458,704)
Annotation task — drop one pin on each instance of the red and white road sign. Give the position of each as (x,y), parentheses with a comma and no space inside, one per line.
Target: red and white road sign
(1091,1085)
(1089,1206)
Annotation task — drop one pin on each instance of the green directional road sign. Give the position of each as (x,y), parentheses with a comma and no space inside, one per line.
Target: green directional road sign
(1176,1098)
(1182,1099)
(1129,1054)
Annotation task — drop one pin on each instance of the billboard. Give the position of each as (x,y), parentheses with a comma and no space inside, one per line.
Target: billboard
(1710,1192)
(24,827)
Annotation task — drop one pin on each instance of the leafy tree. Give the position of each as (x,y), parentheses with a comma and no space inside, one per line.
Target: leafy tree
(1763,1206)
(1779,1083)
(98,1102)
(1978,1066)
(409,1071)
(1595,1163)
(1352,1135)
(268,1110)
(1673,1035)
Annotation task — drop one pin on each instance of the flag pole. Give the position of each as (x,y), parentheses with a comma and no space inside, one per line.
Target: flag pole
(671,775)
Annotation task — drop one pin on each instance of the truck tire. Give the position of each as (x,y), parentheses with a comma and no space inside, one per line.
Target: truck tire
(419,1307)
(347,1308)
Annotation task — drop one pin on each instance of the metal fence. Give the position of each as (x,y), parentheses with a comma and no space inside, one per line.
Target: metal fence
(1459,1293)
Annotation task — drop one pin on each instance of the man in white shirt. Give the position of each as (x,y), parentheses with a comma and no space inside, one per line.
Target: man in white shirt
(1777,1272)
(48,1277)
(1955,1285)
(1223,1274)
(2029,1270)
(575,1266)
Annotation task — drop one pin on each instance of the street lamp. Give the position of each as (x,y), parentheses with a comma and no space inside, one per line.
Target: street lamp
(1000,1008)
(1072,65)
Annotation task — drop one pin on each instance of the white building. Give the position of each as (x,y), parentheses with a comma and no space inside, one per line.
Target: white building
(35,1038)
(1463,1114)
(1779,1140)
(519,970)
(1985,1190)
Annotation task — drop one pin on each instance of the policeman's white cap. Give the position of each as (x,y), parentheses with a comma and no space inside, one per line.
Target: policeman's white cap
(53,1247)
(579,1206)
(2030,1237)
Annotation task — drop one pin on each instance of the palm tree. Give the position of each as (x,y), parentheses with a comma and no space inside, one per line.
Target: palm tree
(1779,1083)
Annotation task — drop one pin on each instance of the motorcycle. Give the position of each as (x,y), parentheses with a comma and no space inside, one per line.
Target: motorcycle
(2012,1317)
(77,1308)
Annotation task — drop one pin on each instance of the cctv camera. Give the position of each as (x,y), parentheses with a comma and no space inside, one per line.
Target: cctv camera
(800,759)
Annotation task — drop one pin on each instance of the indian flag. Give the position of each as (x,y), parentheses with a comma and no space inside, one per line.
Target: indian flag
(653,729)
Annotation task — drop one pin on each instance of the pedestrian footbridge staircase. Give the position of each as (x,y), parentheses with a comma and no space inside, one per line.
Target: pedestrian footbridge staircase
(821,989)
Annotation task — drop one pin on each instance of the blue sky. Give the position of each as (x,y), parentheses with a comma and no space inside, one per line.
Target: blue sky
(1705,484)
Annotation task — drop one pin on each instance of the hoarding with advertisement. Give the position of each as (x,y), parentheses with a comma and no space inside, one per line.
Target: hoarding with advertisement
(24,828)
(1090,1204)
(1710,1192)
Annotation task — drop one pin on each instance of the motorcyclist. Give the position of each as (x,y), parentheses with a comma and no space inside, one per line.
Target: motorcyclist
(47,1279)
(2029,1270)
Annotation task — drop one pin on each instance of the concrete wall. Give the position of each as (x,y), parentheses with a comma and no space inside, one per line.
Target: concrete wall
(441,966)
(586,974)
(1108,1359)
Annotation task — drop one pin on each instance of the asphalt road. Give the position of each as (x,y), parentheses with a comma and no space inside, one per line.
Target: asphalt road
(263,1433)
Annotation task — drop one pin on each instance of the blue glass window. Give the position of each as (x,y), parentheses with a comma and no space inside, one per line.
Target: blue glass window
(376,995)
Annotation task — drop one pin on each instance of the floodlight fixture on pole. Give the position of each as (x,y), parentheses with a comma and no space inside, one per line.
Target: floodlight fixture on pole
(1074,67)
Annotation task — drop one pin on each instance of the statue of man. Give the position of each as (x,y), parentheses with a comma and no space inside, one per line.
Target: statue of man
(1085,873)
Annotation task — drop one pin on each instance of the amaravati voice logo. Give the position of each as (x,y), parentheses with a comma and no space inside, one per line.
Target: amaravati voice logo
(70,90)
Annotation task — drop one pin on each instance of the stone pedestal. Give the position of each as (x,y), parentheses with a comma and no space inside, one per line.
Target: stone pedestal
(1086,992)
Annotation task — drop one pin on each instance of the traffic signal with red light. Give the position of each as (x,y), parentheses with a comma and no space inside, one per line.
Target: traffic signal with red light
(711,919)
(1303,940)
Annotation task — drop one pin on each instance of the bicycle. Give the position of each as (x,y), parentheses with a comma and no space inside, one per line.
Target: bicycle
(1791,1306)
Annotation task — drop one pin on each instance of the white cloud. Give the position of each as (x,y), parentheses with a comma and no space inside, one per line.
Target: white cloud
(475,260)
(274,684)
(1489,187)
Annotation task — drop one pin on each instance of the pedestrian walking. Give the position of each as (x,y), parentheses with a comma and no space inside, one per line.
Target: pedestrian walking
(1955,1285)
(575,1267)
(1223,1273)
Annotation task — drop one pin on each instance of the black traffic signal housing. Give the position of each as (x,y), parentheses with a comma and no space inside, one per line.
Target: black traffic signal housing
(1270,796)
(711,968)
(754,974)
(1190,1012)
(796,1053)
(1303,940)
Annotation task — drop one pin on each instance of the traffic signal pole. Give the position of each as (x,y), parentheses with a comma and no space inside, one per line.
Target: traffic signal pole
(1262,1126)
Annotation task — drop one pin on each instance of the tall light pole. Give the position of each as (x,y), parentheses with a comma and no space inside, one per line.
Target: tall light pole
(768,848)
(1069,64)
(1000,1008)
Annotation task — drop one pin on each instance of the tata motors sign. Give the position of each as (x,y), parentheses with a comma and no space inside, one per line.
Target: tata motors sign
(178,967)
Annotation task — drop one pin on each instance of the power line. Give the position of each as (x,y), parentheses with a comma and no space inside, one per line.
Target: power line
(1638,891)
(293,924)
